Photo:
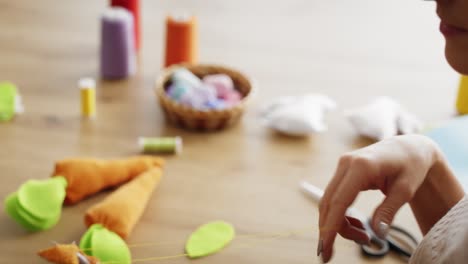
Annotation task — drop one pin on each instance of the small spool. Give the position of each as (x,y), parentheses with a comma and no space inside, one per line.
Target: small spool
(462,98)
(181,40)
(88,97)
(160,144)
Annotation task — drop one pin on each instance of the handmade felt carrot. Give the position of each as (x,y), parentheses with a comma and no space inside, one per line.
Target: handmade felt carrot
(66,254)
(120,211)
(87,176)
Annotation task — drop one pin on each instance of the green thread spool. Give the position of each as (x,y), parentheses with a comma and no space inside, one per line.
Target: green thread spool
(160,144)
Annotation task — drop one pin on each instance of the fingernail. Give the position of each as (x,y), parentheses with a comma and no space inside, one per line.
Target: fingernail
(320,247)
(382,229)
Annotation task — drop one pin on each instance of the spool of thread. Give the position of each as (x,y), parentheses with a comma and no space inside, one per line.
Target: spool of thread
(462,98)
(10,101)
(181,40)
(88,97)
(133,6)
(118,59)
(160,144)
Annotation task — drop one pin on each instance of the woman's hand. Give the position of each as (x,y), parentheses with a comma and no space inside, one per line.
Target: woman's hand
(406,169)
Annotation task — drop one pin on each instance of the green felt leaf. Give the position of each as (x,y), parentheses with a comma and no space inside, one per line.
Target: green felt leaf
(11,206)
(85,242)
(7,101)
(37,223)
(37,204)
(209,239)
(105,245)
(43,198)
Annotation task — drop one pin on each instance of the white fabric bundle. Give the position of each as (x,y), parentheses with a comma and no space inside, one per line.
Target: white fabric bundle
(383,118)
(298,115)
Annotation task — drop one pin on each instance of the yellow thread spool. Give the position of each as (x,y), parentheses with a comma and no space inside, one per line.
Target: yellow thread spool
(462,99)
(88,97)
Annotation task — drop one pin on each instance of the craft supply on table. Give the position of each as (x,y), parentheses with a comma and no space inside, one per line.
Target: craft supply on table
(192,103)
(133,6)
(66,254)
(88,97)
(160,144)
(181,40)
(10,101)
(185,77)
(118,57)
(214,92)
(37,205)
(209,239)
(298,115)
(452,138)
(398,239)
(206,240)
(105,245)
(120,211)
(383,118)
(87,176)
(462,97)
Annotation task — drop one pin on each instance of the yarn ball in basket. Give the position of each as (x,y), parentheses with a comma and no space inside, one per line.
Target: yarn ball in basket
(203,97)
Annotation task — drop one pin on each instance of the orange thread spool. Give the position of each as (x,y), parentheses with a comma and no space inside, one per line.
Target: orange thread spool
(181,40)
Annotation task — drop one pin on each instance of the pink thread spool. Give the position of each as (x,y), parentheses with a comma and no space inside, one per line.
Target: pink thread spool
(118,59)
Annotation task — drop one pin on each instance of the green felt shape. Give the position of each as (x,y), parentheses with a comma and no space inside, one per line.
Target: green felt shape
(85,242)
(43,198)
(37,204)
(7,101)
(209,239)
(105,245)
(11,208)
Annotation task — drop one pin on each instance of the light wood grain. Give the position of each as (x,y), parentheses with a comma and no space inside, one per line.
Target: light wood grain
(350,50)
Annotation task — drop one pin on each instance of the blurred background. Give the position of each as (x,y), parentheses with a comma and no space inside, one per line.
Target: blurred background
(328,45)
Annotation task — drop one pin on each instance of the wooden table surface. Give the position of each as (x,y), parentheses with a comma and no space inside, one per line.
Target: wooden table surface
(246,175)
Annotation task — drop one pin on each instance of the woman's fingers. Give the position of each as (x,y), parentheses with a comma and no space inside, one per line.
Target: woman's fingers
(343,165)
(336,205)
(397,166)
(398,194)
(341,169)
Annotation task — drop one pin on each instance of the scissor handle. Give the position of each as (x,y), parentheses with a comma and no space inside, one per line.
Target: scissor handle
(397,246)
(380,247)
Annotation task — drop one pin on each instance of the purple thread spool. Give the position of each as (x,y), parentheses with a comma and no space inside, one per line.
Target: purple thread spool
(118,59)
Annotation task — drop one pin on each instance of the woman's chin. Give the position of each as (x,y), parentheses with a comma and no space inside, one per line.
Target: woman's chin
(458,59)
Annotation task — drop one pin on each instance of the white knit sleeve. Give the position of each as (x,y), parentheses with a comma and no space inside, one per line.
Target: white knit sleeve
(447,241)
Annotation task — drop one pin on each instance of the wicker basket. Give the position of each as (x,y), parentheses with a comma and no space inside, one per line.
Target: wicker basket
(202,120)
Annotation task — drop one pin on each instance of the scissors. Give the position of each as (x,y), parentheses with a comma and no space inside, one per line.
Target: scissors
(398,239)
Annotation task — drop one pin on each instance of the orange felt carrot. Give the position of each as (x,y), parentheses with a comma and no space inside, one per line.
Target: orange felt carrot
(120,211)
(65,254)
(86,176)
(181,40)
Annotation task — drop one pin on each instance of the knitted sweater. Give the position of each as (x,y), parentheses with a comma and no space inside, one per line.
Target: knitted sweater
(447,241)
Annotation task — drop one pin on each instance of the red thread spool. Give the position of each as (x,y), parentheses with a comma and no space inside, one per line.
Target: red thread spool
(133,6)
(181,40)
